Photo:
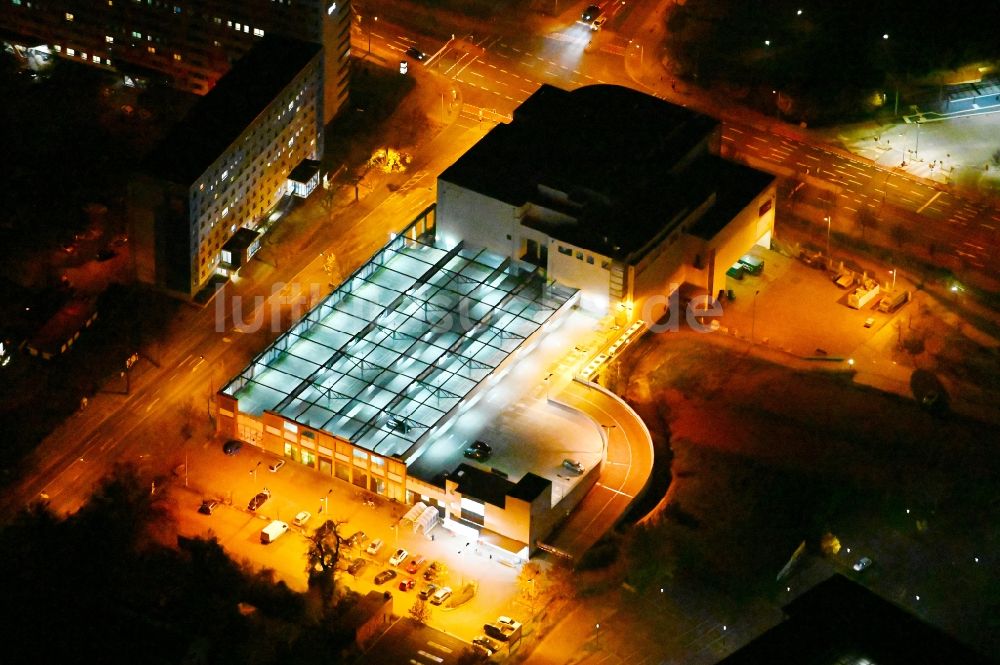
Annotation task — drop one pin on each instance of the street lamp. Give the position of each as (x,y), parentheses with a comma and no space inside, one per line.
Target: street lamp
(893,271)
(326,502)
(753,320)
(253,472)
(374,20)
(828,219)
(597,639)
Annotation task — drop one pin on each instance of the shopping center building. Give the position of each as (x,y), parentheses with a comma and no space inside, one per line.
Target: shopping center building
(382,384)
(362,385)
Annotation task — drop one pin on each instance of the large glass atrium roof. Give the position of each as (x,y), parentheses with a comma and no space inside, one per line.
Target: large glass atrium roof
(382,359)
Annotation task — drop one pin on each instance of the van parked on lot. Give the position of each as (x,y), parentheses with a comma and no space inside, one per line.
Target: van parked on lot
(273,531)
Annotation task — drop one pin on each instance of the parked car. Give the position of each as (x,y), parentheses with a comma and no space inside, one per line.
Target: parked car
(479,451)
(414,52)
(207,506)
(573,465)
(398,557)
(507,621)
(276,466)
(302,518)
(232,447)
(485,645)
(415,562)
(357,539)
(357,566)
(441,595)
(374,546)
(259,499)
(385,576)
(497,632)
(427,591)
(862,564)
(407,584)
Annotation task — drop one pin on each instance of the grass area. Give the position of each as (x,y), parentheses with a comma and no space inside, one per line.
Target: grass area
(765,458)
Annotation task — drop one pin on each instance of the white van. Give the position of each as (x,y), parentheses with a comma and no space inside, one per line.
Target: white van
(273,531)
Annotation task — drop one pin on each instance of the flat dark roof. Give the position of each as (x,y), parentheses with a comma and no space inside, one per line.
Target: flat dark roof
(840,621)
(483,485)
(228,109)
(529,487)
(630,164)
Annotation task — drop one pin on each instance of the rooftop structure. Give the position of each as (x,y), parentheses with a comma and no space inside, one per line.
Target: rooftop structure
(220,117)
(840,622)
(611,191)
(384,358)
(190,44)
(620,164)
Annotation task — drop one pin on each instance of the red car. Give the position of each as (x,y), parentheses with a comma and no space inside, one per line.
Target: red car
(407,584)
(414,564)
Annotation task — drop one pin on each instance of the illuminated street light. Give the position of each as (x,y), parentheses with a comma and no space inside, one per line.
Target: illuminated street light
(850,361)
(893,271)
(767,42)
(885,35)
(828,219)
(253,471)
(798,13)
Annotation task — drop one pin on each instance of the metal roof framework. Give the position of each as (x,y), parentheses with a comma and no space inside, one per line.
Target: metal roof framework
(382,359)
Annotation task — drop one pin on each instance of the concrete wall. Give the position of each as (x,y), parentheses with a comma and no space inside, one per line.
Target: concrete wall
(748,228)
(582,269)
(478,220)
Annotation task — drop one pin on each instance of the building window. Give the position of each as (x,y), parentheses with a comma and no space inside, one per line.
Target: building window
(579,255)
(109,39)
(565,250)
(257,32)
(69,17)
(177,57)
(590,259)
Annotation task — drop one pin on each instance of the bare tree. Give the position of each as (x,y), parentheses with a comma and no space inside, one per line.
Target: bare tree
(420,611)
(324,547)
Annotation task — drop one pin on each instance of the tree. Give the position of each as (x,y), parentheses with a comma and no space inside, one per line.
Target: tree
(322,556)
(867,220)
(324,546)
(899,234)
(420,611)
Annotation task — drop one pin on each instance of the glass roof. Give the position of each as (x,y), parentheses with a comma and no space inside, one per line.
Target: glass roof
(384,357)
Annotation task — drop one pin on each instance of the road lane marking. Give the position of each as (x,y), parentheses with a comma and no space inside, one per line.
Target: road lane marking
(152,404)
(440,647)
(611,489)
(930,201)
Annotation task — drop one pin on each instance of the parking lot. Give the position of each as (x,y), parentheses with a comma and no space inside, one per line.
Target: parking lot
(293,489)
(799,309)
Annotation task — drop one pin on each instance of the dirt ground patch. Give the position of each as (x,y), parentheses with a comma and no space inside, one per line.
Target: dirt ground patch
(765,458)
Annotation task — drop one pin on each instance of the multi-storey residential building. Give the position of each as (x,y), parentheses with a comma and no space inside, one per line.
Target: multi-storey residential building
(205,193)
(193,42)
